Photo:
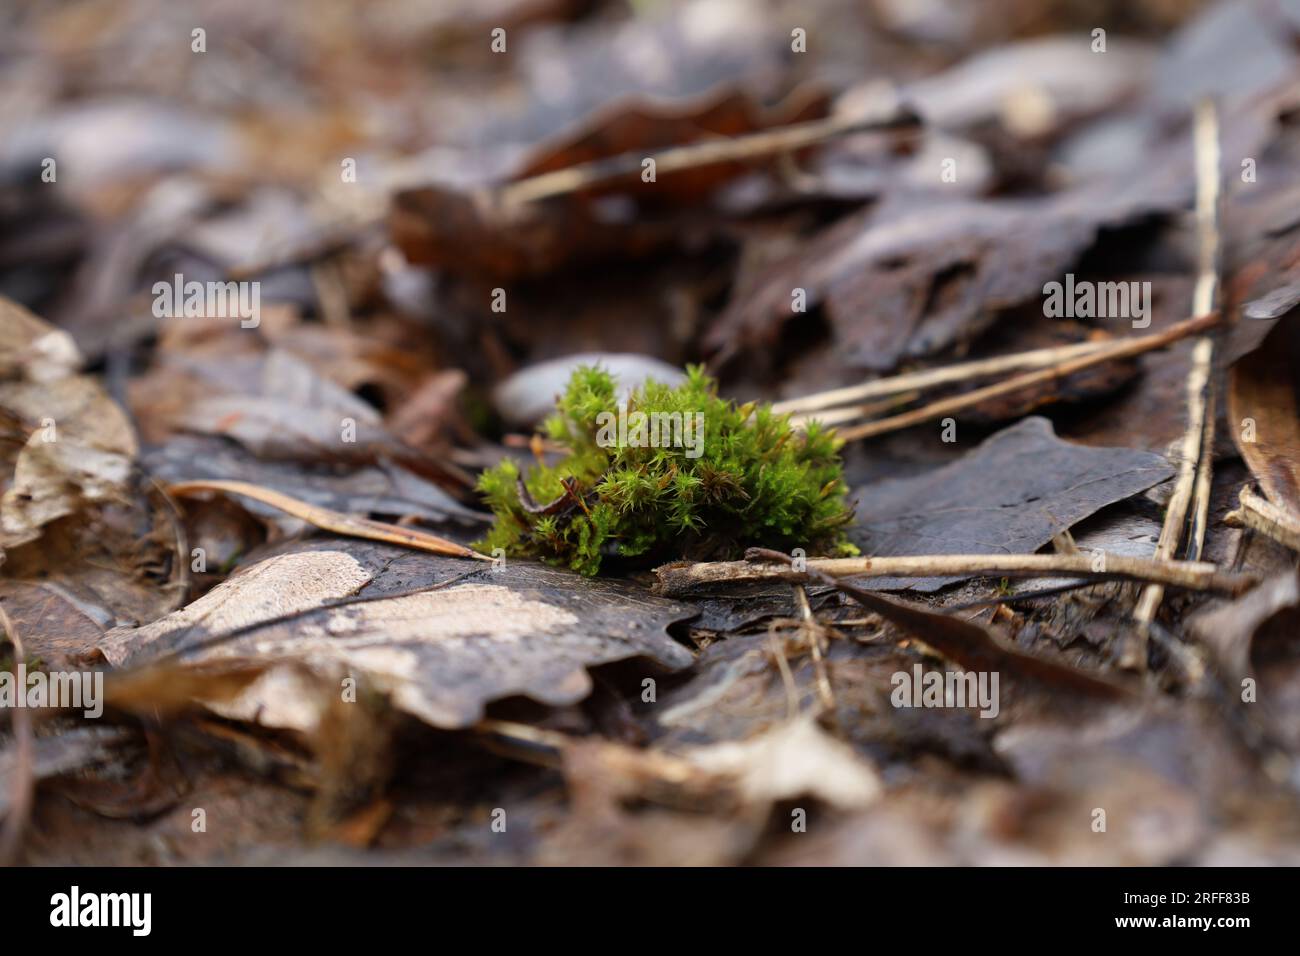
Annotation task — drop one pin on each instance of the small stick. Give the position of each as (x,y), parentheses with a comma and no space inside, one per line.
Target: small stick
(853,413)
(1192,486)
(944,375)
(24,783)
(1203,300)
(1110,352)
(1260,514)
(785,139)
(329,520)
(1194,575)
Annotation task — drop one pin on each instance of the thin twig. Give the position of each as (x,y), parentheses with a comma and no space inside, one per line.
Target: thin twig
(1112,351)
(1192,487)
(1204,299)
(24,783)
(944,375)
(853,413)
(785,139)
(1193,575)
(1261,515)
(336,521)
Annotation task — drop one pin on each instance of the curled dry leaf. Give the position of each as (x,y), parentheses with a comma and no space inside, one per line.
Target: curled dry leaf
(1230,630)
(77,445)
(87,541)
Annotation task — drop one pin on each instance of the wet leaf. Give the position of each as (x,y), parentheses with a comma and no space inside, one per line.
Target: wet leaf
(1010,495)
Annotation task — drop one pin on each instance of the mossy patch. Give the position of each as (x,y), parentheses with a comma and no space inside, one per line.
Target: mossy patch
(674,472)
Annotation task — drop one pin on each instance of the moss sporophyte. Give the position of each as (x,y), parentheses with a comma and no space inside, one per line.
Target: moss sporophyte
(668,472)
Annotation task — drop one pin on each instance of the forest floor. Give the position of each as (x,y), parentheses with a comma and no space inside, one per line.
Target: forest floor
(279,281)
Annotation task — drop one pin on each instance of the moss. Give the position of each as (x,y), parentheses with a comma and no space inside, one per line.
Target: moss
(690,475)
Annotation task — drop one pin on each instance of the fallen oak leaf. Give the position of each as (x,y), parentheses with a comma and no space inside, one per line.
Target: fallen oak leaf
(1012,493)
(439,642)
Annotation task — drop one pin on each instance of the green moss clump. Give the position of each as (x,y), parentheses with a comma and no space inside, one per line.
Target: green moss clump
(693,476)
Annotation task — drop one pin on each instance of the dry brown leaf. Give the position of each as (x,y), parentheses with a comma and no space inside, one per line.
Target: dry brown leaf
(1264,413)
(440,636)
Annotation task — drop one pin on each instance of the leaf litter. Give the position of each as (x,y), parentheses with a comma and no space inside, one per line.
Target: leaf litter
(314,683)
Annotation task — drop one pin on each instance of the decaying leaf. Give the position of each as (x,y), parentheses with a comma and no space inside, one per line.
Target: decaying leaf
(442,637)
(1010,495)
(86,538)
(488,234)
